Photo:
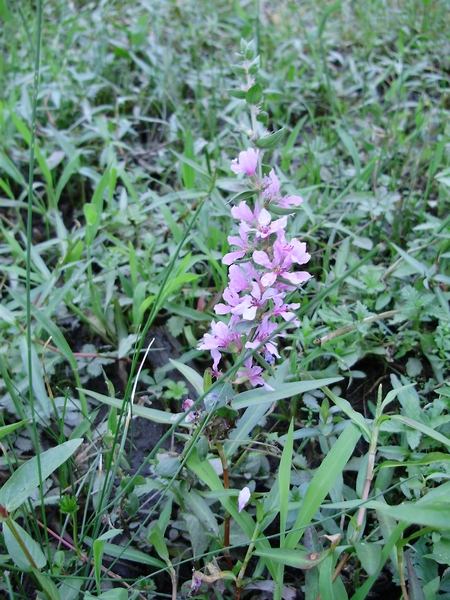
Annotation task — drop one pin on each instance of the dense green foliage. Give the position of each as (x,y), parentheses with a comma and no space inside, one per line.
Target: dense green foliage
(120,226)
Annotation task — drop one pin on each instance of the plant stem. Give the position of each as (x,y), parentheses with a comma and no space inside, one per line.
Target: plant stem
(247,558)
(338,332)
(370,462)
(401,572)
(226,485)
(10,524)
(367,485)
(75,535)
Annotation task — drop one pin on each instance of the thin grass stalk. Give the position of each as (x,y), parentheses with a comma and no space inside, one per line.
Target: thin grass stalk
(37,62)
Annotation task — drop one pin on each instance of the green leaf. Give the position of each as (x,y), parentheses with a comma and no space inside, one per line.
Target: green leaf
(16,552)
(237,94)
(192,376)
(349,144)
(93,211)
(199,507)
(246,424)
(158,416)
(206,473)
(325,579)
(288,146)
(428,459)
(390,396)
(7,429)
(369,556)
(195,167)
(415,589)
(114,594)
(363,591)
(71,167)
(330,10)
(188,170)
(6,316)
(164,517)
(254,94)
(323,480)
(435,435)
(284,477)
(437,515)
(346,408)
(10,168)
(263,117)
(418,267)
(70,588)
(128,554)
(269,142)
(25,480)
(97,548)
(47,585)
(26,134)
(57,337)
(90,214)
(284,391)
(245,195)
(157,540)
(5,13)
(299,558)
(36,376)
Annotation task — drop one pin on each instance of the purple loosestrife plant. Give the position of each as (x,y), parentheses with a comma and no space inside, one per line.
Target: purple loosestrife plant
(264,263)
(263,268)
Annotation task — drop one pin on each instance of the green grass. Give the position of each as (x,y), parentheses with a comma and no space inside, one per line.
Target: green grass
(122,226)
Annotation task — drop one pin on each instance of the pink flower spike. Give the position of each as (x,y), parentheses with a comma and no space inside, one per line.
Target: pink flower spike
(246,163)
(243,498)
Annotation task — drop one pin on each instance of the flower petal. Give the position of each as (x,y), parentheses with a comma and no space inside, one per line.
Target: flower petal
(243,498)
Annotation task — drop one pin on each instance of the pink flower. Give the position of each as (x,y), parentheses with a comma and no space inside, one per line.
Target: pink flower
(250,303)
(221,336)
(242,241)
(289,201)
(246,163)
(272,186)
(265,228)
(283,310)
(284,255)
(186,406)
(252,374)
(243,212)
(263,336)
(231,298)
(243,498)
(295,249)
(240,276)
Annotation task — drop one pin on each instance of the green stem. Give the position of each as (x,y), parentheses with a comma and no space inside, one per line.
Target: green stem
(10,524)
(75,535)
(226,485)
(29,233)
(247,558)
(370,464)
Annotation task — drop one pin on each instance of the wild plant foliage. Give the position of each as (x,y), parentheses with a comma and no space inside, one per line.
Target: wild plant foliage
(224,341)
